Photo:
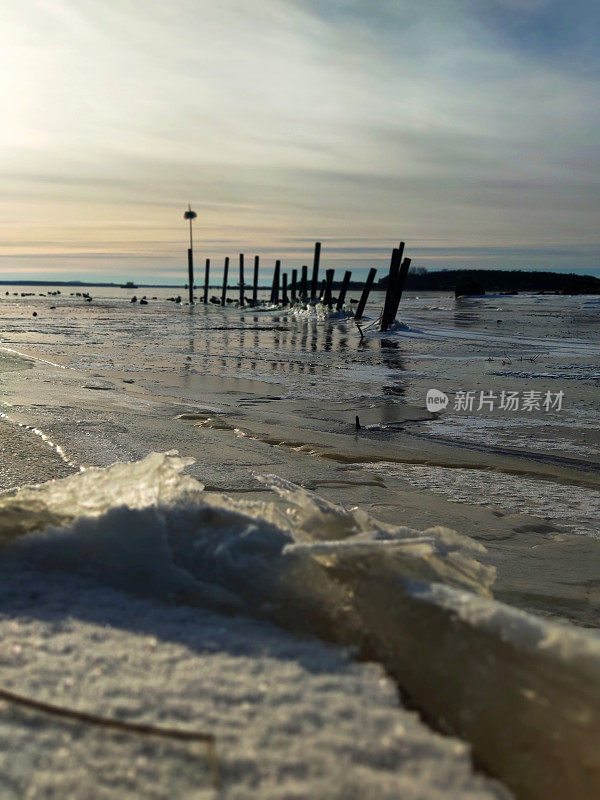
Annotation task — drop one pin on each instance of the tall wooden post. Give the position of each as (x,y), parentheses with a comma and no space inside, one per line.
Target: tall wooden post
(206,275)
(391,288)
(225,274)
(294,281)
(327,298)
(275,286)
(304,284)
(191,275)
(360,309)
(315,273)
(255,284)
(284,294)
(342,295)
(399,288)
(242,287)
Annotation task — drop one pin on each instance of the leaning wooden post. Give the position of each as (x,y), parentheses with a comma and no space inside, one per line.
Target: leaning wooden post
(391,288)
(399,288)
(327,298)
(342,295)
(275,286)
(206,275)
(315,273)
(255,284)
(304,284)
(294,282)
(284,294)
(242,287)
(360,308)
(225,273)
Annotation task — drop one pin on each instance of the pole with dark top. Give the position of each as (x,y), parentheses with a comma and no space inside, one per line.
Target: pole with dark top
(255,284)
(190,276)
(343,290)
(206,276)
(225,274)
(360,309)
(315,273)
(189,214)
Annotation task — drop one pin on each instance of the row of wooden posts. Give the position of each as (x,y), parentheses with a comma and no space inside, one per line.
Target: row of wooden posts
(307,291)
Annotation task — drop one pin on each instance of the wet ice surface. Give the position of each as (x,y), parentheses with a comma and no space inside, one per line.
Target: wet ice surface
(547,434)
(252,361)
(572,508)
(247,361)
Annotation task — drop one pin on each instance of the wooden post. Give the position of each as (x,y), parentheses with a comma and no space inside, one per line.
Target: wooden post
(225,273)
(294,281)
(393,305)
(327,299)
(284,295)
(315,273)
(275,286)
(360,309)
(191,275)
(343,290)
(242,287)
(391,288)
(304,284)
(206,274)
(322,292)
(399,288)
(255,284)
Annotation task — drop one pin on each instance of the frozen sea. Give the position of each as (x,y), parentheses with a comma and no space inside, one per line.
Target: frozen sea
(291,517)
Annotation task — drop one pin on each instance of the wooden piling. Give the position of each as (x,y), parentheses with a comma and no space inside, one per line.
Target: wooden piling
(315,273)
(327,298)
(275,286)
(342,295)
(255,284)
(294,282)
(191,275)
(284,294)
(360,309)
(304,284)
(399,288)
(225,274)
(242,287)
(206,276)
(391,288)
(322,292)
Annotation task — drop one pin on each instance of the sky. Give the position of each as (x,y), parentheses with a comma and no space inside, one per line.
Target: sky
(467,128)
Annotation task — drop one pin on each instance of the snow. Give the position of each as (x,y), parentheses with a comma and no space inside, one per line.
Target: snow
(293,718)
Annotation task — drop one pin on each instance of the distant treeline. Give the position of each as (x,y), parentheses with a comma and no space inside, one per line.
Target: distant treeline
(499,280)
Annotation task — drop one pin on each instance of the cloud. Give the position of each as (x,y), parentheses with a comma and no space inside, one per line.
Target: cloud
(432,119)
